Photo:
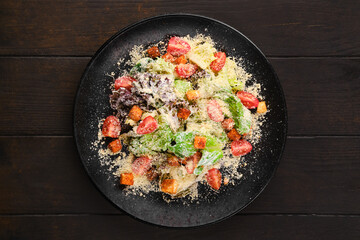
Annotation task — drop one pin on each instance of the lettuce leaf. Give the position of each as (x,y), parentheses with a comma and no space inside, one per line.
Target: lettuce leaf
(202,54)
(241,115)
(211,154)
(184,146)
(161,66)
(229,73)
(181,87)
(157,141)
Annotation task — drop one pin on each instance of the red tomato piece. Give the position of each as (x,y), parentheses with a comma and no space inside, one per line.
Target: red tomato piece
(185,70)
(192,162)
(178,47)
(213,177)
(111,127)
(219,62)
(141,165)
(148,125)
(240,147)
(247,99)
(228,124)
(124,82)
(214,111)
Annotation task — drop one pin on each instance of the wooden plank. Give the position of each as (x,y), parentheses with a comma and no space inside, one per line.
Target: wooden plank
(279,28)
(321,93)
(124,227)
(44,175)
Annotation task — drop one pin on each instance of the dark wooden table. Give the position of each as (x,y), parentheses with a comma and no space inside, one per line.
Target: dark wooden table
(314,47)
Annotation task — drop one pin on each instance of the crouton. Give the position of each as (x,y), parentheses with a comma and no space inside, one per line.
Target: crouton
(234,135)
(135,113)
(183,113)
(261,107)
(151,174)
(228,124)
(127,179)
(153,52)
(199,142)
(181,60)
(115,146)
(192,95)
(168,57)
(169,186)
(173,161)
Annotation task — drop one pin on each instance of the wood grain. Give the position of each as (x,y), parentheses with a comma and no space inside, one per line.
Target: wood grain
(43,175)
(124,227)
(37,94)
(279,28)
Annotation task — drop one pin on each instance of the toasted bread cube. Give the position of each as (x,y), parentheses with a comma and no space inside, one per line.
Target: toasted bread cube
(234,135)
(183,113)
(151,174)
(181,60)
(173,161)
(261,107)
(199,142)
(135,113)
(115,146)
(169,186)
(168,57)
(153,52)
(127,179)
(226,181)
(192,95)
(228,124)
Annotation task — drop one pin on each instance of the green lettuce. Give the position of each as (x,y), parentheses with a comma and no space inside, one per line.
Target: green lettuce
(229,73)
(181,87)
(211,154)
(241,115)
(161,66)
(157,141)
(184,146)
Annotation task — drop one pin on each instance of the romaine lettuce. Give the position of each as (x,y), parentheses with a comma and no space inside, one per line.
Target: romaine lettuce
(181,87)
(150,143)
(202,54)
(241,115)
(161,66)
(211,154)
(184,146)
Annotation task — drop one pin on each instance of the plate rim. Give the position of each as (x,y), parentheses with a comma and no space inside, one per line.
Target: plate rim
(133,25)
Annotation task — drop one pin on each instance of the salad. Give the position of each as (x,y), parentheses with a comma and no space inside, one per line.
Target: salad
(182,111)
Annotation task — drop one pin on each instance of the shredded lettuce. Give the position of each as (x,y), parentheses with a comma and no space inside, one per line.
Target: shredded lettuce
(184,146)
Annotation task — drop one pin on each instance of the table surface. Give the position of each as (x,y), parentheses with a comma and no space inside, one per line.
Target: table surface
(314,47)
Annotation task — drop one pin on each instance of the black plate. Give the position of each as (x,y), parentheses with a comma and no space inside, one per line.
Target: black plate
(92,104)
